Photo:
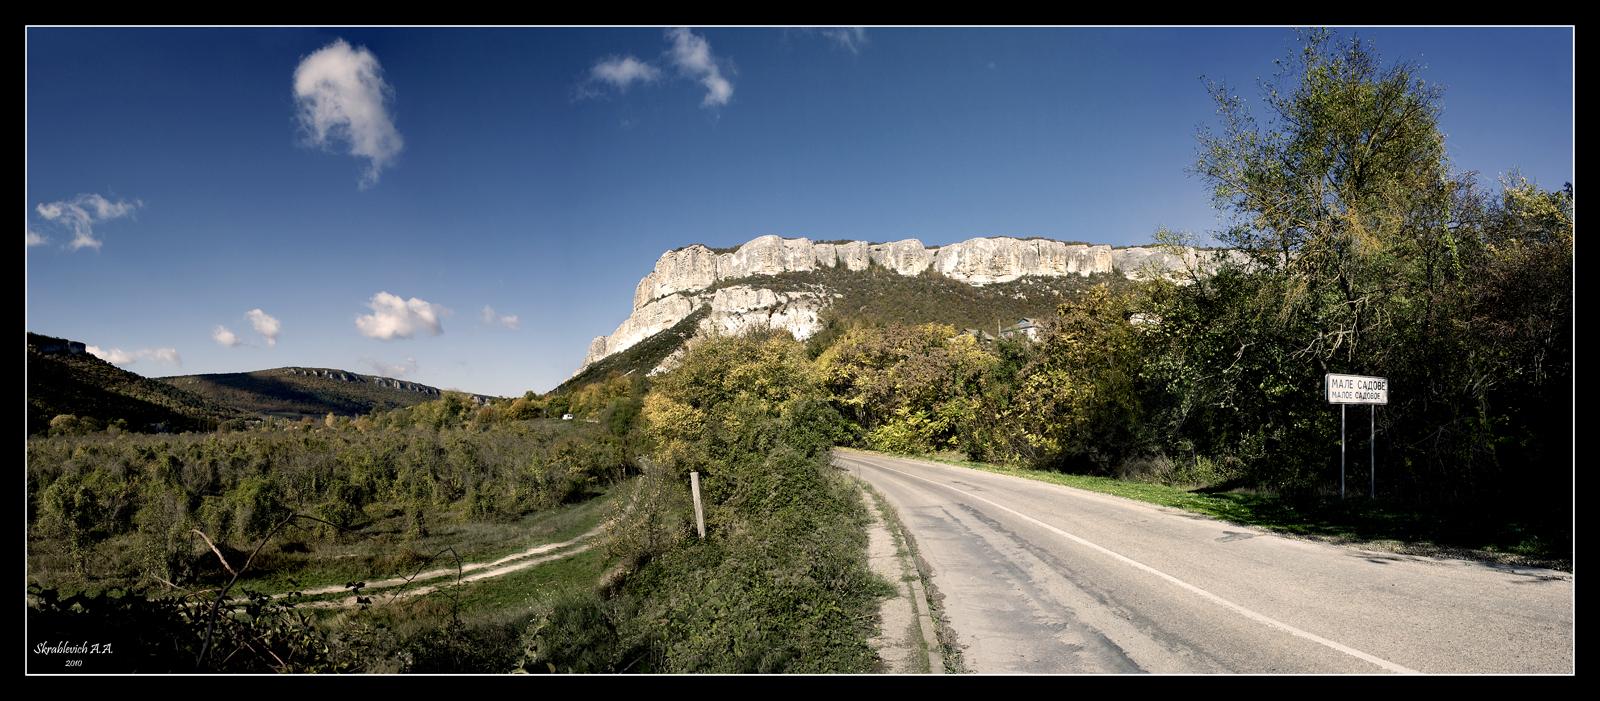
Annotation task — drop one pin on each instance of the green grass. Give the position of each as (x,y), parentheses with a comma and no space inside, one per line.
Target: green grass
(381,557)
(1468,534)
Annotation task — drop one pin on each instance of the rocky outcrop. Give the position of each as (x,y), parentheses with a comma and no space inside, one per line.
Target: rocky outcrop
(682,279)
(984,261)
(648,320)
(387,382)
(740,308)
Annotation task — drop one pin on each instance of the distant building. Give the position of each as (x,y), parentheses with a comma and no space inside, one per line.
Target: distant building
(1026,328)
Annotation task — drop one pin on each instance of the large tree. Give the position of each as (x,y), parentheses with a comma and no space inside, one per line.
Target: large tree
(1368,254)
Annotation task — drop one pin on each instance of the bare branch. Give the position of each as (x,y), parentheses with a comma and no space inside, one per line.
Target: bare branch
(214,549)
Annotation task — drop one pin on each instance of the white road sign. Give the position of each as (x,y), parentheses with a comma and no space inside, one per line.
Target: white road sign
(1357,389)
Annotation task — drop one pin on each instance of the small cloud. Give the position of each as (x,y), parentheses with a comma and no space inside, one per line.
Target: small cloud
(79,215)
(264,324)
(117,356)
(224,337)
(341,96)
(491,318)
(34,239)
(393,317)
(164,355)
(622,72)
(691,54)
(391,369)
(852,39)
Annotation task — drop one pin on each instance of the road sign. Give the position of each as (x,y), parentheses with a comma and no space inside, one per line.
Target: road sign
(1356,389)
(1345,390)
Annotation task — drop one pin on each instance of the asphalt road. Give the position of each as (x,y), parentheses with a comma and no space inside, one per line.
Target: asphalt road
(1039,578)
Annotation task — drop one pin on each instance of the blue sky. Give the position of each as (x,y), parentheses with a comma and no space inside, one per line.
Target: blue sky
(460,169)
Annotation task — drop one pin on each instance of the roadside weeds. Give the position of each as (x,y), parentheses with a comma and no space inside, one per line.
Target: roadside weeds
(938,651)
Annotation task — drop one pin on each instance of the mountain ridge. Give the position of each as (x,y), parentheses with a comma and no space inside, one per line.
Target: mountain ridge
(308,391)
(731,282)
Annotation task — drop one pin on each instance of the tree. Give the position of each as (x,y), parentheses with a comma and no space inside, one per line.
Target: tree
(1077,401)
(1367,255)
(1346,187)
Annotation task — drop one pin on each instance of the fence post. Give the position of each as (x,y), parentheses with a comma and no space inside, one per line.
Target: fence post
(699,515)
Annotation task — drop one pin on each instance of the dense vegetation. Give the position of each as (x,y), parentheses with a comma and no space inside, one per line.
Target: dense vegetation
(130,528)
(79,393)
(780,584)
(119,510)
(296,392)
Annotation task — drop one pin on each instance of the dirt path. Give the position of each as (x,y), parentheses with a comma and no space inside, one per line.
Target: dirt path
(470,572)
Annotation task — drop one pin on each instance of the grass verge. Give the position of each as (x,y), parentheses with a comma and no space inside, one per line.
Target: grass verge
(949,650)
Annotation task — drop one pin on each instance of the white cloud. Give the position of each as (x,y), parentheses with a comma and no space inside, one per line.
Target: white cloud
(851,38)
(33,238)
(691,53)
(341,96)
(492,318)
(622,72)
(164,355)
(117,356)
(79,215)
(264,325)
(393,317)
(224,337)
(390,369)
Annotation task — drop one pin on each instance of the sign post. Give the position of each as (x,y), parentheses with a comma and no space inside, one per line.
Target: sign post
(1345,390)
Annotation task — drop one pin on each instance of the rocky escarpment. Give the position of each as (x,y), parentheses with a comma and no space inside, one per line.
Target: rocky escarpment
(693,277)
(385,382)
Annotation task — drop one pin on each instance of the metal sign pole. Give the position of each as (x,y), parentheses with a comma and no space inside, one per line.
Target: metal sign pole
(1345,390)
(1341,450)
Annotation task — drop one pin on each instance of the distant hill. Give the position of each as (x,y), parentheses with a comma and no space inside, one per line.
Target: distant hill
(296,392)
(63,378)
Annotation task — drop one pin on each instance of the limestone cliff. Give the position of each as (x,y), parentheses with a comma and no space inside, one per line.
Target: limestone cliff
(683,279)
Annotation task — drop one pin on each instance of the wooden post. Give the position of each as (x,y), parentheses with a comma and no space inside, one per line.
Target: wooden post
(699,515)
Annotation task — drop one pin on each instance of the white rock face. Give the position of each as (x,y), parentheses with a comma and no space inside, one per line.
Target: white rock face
(740,308)
(983,261)
(1149,261)
(649,320)
(767,255)
(674,289)
(907,257)
(686,269)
